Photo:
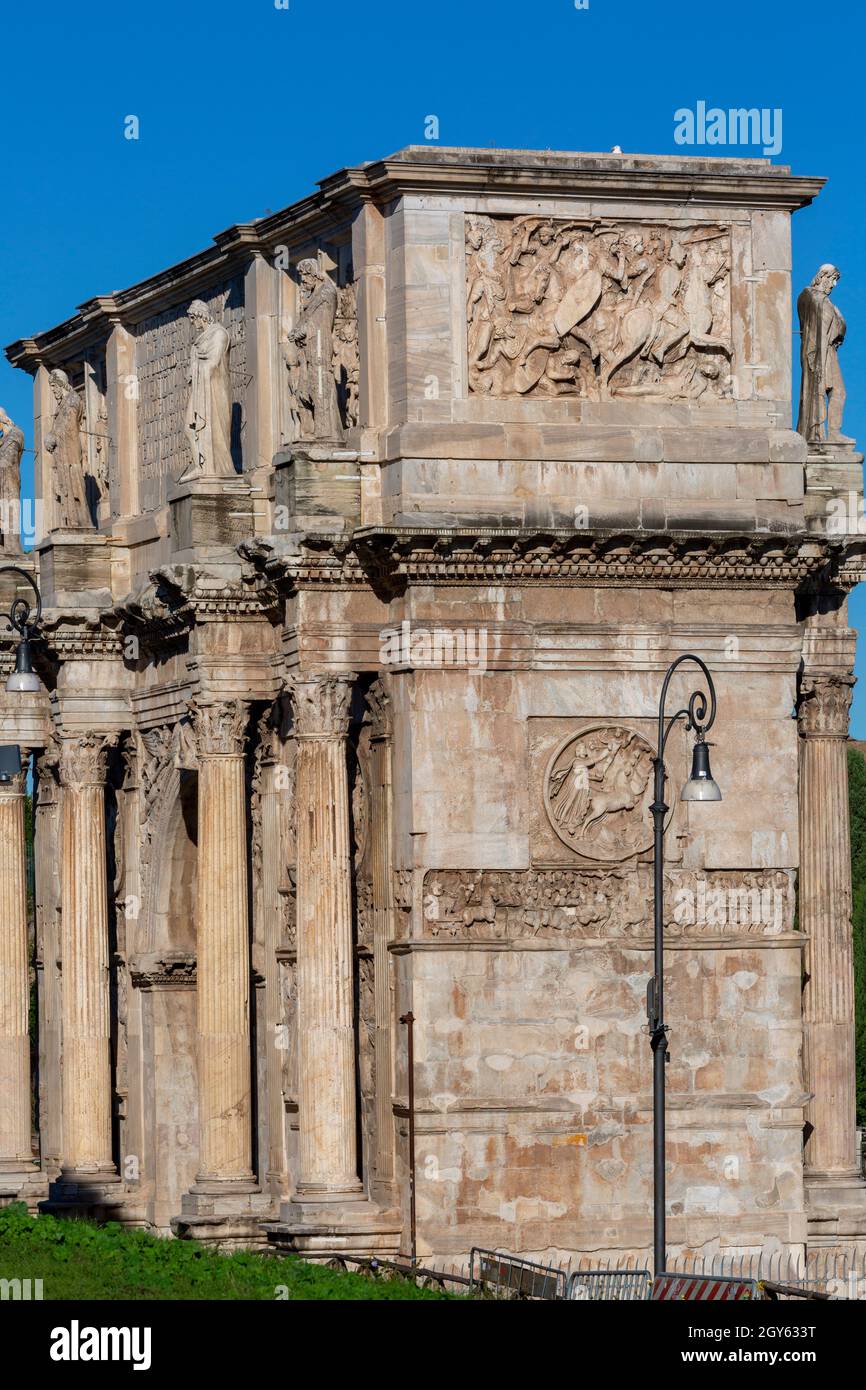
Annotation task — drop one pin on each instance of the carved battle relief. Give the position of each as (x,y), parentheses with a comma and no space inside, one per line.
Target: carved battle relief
(597,792)
(598,309)
(562,904)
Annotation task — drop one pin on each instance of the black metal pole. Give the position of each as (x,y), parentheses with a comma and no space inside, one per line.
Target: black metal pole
(695,714)
(658,1029)
(409,1020)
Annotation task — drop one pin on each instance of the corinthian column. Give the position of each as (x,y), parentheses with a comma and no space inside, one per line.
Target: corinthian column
(16,1157)
(85,1007)
(825,909)
(223,970)
(383,924)
(326,1102)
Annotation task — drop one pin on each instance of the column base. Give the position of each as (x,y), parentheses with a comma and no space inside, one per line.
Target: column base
(227,1213)
(322,1226)
(91,1193)
(836,1212)
(22,1183)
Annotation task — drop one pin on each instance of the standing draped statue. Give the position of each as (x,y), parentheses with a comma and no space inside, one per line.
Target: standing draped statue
(11,448)
(309,356)
(822,391)
(209,411)
(63,443)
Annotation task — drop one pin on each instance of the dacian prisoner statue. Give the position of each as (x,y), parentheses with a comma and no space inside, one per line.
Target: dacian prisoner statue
(63,442)
(822,332)
(309,356)
(11,448)
(209,411)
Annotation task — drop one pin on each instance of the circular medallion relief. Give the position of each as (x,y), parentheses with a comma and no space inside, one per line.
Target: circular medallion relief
(598,789)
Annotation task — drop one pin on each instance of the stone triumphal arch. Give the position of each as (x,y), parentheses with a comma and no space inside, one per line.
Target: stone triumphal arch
(365,537)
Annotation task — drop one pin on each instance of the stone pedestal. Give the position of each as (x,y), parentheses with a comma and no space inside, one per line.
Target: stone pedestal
(317,487)
(836,1191)
(20,1177)
(88,1175)
(833,503)
(212,515)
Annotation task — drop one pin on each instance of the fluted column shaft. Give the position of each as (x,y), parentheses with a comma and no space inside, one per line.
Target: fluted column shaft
(271,789)
(327,1100)
(15,1146)
(381,862)
(223,970)
(85,1006)
(825,916)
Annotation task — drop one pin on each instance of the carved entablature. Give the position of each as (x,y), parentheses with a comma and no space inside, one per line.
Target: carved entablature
(823,705)
(321,703)
(170,970)
(598,309)
(558,904)
(84,759)
(392,557)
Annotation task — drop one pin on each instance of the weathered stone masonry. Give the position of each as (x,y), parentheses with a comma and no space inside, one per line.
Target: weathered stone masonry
(396,506)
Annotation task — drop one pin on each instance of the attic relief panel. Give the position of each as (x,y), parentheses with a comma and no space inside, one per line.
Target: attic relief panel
(598,309)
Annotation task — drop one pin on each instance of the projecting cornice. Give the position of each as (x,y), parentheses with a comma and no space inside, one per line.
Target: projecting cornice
(392,559)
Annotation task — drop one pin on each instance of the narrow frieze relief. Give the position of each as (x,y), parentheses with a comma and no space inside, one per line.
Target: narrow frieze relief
(560,904)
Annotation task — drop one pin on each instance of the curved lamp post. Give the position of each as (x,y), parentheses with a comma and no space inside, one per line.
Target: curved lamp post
(699,714)
(23,679)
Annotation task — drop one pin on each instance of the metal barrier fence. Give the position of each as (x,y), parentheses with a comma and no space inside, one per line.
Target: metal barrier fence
(612,1285)
(833,1275)
(497,1275)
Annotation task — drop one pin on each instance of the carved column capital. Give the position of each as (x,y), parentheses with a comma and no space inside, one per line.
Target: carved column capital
(220,727)
(321,701)
(84,759)
(824,704)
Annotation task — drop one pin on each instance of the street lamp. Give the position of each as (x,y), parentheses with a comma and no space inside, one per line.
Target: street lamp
(699,787)
(23,679)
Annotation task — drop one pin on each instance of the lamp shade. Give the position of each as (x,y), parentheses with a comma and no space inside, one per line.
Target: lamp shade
(23,679)
(700,786)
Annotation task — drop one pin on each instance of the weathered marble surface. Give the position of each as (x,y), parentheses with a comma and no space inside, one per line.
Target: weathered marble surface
(356,721)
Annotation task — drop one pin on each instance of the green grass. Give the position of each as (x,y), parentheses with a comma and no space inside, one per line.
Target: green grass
(78,1260)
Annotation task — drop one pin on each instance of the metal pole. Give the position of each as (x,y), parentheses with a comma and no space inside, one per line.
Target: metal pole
(658,1029)
(409,1020)
(699,715)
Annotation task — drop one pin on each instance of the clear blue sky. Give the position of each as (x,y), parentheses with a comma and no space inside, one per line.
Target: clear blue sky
(243,106)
